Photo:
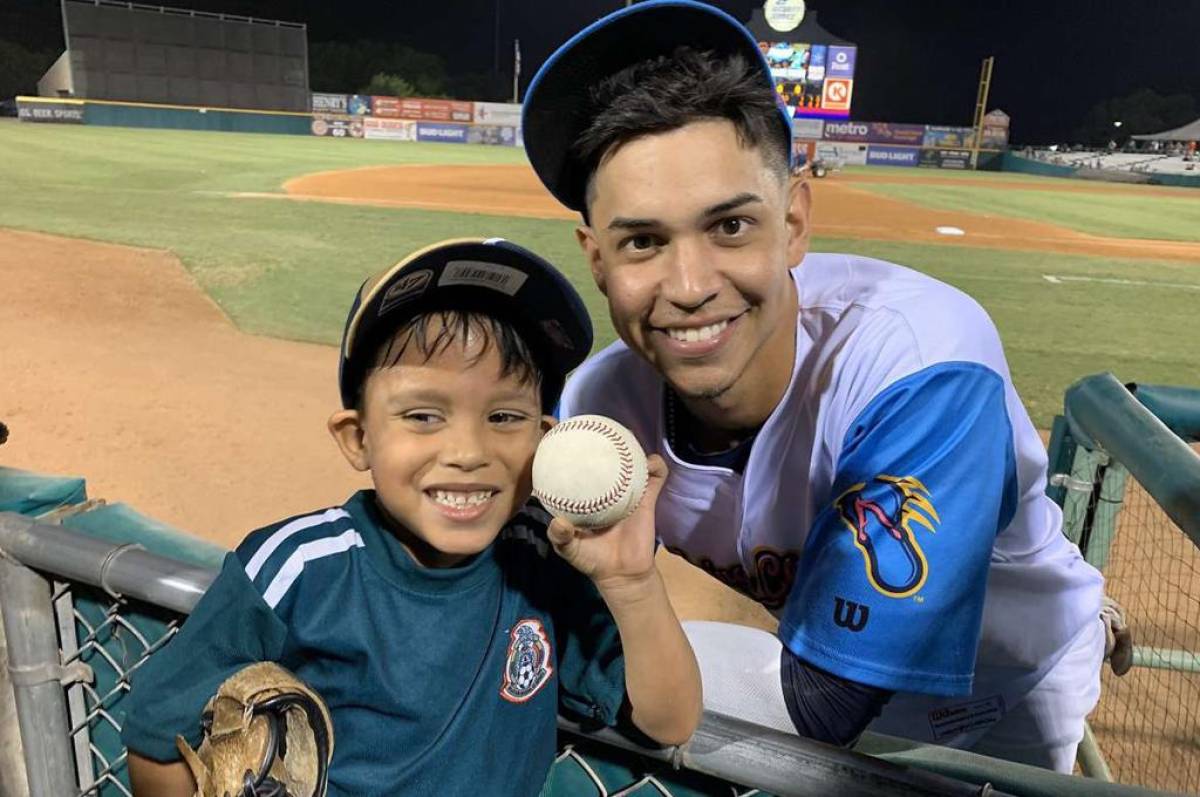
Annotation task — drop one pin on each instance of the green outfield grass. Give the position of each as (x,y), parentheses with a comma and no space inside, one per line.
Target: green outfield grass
(1108,213)
(274,265)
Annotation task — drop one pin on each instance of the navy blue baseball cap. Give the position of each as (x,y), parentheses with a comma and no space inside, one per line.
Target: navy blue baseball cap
(557,104)
(489,276)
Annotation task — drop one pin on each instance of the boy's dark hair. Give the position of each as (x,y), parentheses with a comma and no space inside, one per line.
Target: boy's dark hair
(666,93)
(451,327)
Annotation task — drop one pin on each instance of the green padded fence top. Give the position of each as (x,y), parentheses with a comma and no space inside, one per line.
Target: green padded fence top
(1102,413)
(120,523)
(1177,407)
(33,494)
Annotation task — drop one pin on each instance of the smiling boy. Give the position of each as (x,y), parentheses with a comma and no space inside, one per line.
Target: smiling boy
(430,613)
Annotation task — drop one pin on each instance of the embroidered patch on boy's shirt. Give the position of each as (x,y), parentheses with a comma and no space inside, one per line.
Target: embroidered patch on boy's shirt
(527,667)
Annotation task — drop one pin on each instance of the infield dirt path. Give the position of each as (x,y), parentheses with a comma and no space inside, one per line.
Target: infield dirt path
(117,367)
(840,208)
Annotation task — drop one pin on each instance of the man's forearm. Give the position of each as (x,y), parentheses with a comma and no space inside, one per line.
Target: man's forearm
(824,706)
(151,778)
(662,678)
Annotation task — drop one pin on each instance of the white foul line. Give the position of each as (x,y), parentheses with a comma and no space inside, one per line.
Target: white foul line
(1059,279)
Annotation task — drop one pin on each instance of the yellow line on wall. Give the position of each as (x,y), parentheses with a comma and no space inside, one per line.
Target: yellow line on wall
(198,108)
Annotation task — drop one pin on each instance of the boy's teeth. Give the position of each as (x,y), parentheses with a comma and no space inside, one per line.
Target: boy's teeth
(461,499)
(696,334)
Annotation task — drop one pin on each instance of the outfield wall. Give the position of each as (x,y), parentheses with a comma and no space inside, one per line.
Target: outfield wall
(903,145)
(360,116)
(174,117)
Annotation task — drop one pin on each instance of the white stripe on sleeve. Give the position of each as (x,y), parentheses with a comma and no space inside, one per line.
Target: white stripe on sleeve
(255,565)
(306,553)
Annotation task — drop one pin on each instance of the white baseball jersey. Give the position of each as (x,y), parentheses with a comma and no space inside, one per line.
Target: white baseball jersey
(892,511)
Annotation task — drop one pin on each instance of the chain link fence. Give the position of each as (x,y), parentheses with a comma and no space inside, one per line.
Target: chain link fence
(1148,721)
(104,638)
(1147,724)
(82,614)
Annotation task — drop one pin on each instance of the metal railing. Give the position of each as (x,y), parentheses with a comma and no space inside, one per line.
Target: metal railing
(81,615)
(1129,486)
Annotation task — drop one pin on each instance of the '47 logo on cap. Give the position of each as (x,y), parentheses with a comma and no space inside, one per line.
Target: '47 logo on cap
(405,288)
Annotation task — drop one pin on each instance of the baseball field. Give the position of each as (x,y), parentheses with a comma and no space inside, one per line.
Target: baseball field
(172,299)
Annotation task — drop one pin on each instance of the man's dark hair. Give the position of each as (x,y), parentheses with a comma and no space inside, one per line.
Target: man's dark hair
(668,92)
(449,328)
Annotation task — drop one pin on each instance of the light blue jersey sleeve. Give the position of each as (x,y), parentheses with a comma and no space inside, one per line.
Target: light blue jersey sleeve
(894,570)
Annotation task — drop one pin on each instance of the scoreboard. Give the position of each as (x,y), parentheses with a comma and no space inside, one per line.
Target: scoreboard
(813,80)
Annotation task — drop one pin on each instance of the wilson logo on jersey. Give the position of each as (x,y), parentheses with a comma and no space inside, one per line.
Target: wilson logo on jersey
(850,615)
(880,515)
(528,667)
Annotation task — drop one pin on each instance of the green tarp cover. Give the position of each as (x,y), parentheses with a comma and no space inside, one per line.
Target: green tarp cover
(33,494)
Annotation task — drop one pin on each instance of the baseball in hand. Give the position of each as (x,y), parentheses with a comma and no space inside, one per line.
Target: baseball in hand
(590,471)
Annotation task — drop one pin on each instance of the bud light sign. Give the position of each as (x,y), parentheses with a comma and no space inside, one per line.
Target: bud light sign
(448,132)
(892,156)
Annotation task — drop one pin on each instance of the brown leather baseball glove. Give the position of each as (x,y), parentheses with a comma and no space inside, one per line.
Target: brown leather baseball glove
(266,734)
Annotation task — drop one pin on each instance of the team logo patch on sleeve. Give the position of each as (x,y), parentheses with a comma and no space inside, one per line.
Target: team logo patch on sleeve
(879,515)
(527,668)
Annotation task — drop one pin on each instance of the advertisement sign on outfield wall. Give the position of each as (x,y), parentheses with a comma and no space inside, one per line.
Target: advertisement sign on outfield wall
(949,137)
(63,113)
(359,105)
(498,113)
(385,106)
(389,129)
(945,158)
(836,130)
(848,154)
(887,133)
(329,103)
(337,125)
(808,129)
(499,135)
(437,131)
(882,155)
(421,109)
(995,130)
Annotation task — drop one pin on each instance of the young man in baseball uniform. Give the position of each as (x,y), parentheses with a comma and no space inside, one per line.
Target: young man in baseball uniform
(430,613)
(844,439)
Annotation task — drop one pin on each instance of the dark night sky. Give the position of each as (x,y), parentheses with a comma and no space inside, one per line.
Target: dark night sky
(918,59)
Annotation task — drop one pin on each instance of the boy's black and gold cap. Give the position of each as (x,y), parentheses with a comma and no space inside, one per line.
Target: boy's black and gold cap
(490,276)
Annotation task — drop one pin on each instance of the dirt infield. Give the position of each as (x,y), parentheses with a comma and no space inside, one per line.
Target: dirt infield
(117,367)
(840,209)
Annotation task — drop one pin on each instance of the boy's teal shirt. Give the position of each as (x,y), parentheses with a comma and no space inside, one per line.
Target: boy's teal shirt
(439,681)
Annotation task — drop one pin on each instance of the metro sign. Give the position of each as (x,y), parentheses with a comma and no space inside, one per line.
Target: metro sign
(837,93)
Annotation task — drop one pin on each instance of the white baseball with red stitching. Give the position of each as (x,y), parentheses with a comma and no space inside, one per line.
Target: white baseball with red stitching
(589,470)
